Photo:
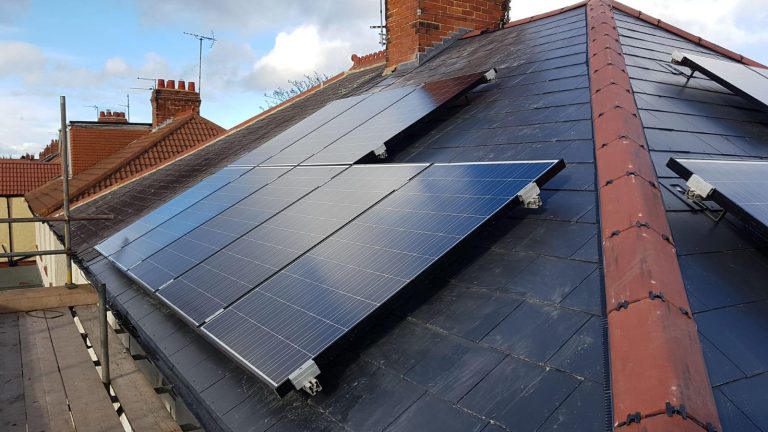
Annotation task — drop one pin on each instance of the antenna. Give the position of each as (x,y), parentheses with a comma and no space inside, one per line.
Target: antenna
(96,107)
(127,106)
(201,38)
(382,28)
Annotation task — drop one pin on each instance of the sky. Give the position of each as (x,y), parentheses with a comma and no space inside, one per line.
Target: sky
(93,51)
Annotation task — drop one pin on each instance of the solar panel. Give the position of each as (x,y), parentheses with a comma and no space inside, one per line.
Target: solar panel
(240,266)
(212,236)
(278,329)
(338,127)
(193,216)
(299,131)
(740,187)
(374,135)
(748,82)
(171,208)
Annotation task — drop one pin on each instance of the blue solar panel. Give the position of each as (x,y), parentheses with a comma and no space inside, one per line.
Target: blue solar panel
(739,186)
(299,131)
(243,264)
(374,134)
(168,210)
(212,236)
(193,216)
(338,127)
(304,308)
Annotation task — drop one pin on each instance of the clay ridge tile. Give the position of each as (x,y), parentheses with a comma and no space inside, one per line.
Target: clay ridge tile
(658,375)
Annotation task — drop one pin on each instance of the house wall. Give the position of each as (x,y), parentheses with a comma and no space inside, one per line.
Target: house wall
(53,268)
(23,234)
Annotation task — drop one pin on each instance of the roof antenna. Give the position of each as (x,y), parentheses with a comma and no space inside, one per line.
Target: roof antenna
(127,106)
(382,28)
(201,38)
(96,107)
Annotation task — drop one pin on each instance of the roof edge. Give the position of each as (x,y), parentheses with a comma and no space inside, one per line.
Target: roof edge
(686,35)
(656,360)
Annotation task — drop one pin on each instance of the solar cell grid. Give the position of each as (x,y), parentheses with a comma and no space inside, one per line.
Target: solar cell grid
(168,210)
(295,315)
(299,131)
(193,216)
(243,264)
(338,127)
(207,239)
(394,120)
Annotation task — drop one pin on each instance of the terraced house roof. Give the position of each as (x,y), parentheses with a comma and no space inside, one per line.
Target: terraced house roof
(19,176)
(620,304)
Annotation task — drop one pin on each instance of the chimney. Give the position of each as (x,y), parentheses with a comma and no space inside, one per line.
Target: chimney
(112,117)
(415,26)
(169,101)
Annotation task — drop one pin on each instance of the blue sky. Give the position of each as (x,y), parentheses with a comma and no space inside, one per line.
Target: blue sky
(92,51)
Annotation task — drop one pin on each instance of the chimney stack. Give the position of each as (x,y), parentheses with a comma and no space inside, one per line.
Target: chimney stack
(109,116)
(415,26)
(168,100)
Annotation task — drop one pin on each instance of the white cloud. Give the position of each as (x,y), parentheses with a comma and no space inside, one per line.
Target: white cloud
(20,57)
(298,52)
(116,66)
(735,24)
(27,123)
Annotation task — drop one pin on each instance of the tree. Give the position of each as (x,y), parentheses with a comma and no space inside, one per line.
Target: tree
(280,94)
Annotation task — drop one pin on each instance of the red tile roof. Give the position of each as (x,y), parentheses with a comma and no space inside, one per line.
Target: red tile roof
(91,143)
(18,176)
(161,145)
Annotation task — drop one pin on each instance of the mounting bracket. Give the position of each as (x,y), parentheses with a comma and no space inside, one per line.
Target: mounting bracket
(698,188)
(530,196)
(305,378)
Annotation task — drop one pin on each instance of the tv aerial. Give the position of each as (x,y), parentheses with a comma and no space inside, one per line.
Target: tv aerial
(201,38)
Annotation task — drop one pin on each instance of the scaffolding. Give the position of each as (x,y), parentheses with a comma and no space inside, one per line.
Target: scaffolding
(67,219)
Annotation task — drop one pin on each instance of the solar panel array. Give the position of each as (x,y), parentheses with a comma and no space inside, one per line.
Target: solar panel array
(278,255)
(746,81)
(297,313)
(740,187)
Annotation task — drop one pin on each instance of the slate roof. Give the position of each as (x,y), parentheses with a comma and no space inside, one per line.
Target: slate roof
(512,334)
(19,176)
(161,145)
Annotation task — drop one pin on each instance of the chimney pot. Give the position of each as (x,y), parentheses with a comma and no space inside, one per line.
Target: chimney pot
(191,86)
(170,85)
(102,114)
(182,86)
(161,83)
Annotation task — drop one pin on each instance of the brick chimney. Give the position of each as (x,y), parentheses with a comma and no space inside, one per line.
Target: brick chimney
(414,26)
(170,100)
(112,117)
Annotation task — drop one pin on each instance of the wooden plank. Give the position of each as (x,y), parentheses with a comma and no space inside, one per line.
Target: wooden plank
(32,299)
(143,407)
(45,399)
(13,417)
(91,407)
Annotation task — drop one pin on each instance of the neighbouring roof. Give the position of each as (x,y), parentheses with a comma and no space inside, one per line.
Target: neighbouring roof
(521,332)
(18,177)
(92,141)
(184,133)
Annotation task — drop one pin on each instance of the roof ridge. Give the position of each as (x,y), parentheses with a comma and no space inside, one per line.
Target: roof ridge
(698,40)
(656,358)
(527,20)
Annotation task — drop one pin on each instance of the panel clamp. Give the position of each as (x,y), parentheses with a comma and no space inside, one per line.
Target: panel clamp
(671,410)
(305,378)
(530,196)
(381,152)
(698,189)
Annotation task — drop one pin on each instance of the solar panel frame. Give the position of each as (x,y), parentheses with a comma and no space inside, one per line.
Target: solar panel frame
(282,384)
(724,194)
(748,82)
